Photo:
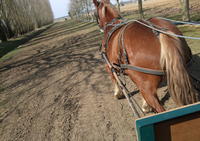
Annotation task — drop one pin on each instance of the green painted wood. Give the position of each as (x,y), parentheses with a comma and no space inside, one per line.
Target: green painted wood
(146,133)
(145,126)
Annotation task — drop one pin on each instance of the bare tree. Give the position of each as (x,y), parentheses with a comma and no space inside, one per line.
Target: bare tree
(75,8)
(185,10)
(118,5)
(140,9)
(80,9)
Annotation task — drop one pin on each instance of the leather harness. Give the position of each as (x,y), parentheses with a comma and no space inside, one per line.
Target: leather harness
(123,25)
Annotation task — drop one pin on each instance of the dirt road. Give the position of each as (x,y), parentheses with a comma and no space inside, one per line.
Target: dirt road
(56,88)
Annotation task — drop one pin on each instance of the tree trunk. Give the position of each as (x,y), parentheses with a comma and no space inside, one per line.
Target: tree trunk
(140,9)
(3,36)
(87,9)
(185,10)
(118,5)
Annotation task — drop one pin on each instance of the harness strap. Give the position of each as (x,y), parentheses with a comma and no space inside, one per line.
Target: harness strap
(124,55)
(142,69)
(112,23)
(122,45)
(116,26)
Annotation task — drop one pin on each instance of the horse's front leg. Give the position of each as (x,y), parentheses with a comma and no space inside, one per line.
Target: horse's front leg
(117,91)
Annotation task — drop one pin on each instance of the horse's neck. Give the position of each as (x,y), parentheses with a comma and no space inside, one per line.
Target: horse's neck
(110,15)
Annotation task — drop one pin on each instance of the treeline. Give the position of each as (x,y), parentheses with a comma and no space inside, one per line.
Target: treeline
(21,16)
(81,10)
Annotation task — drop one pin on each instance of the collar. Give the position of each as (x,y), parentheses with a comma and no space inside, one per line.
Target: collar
(112,23)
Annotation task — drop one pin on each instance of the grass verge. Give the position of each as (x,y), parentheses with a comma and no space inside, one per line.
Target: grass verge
(193,31)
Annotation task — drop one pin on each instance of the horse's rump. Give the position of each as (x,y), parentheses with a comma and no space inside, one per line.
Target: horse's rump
(141,45)
(172,28)
(148,49)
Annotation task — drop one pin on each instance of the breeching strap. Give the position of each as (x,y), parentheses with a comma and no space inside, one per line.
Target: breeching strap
(142,69)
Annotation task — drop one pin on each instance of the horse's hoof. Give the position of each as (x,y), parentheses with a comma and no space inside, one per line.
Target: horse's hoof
(119,96)
(146,109)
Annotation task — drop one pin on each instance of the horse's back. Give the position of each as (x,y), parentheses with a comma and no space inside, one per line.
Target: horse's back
(165,25)
(142,46)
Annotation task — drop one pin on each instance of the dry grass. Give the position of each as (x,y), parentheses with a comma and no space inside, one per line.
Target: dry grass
(156,4)
(193,31)
(166,8)
(150,4)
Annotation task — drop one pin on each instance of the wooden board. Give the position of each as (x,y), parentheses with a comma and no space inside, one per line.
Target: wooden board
(183,128)
(181,124)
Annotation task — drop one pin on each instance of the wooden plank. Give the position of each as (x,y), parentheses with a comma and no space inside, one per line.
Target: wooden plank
(183,128)
(173,123)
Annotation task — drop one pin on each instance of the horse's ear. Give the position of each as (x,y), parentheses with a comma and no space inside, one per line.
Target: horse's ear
(96,3)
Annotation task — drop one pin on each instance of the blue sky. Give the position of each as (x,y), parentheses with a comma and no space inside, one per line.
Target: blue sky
(60,7)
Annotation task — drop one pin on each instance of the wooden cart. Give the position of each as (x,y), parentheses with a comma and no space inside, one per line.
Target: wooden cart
(181,124)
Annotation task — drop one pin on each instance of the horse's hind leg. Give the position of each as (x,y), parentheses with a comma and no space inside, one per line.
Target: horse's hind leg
(150,95)
(145,107)
(148,89)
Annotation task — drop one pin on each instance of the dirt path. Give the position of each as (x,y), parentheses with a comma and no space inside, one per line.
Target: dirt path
(56,88)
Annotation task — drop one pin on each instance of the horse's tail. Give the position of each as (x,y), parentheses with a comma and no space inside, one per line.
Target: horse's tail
(172,60)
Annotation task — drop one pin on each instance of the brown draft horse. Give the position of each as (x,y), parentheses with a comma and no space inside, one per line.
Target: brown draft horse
(147,50)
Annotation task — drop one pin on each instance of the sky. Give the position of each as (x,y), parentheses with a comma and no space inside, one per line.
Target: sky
(60,7)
